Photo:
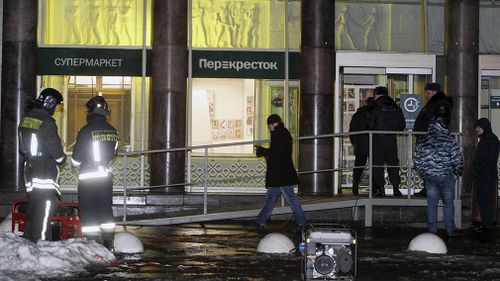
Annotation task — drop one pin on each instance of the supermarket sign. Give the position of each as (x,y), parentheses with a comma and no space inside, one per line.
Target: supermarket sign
(128,62)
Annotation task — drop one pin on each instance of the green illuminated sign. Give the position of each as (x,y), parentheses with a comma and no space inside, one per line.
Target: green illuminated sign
(87,61)
(128,62)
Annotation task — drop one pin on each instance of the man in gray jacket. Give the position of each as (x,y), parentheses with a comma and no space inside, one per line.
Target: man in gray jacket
(439,161)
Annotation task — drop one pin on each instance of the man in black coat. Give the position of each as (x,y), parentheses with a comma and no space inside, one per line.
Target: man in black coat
(360,122)
(385,116)
(486,171)
(281,175)
(437,104)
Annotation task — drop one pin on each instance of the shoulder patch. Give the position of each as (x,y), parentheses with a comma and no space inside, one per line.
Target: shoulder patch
(104,135)
(31,123)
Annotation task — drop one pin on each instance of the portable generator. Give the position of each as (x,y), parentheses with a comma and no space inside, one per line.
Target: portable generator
(329,253)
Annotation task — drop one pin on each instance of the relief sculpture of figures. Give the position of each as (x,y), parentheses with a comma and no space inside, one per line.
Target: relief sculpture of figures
(370,25)
(95,36)
(123,21)
(73,20)
(199,31)
(111,28)
(250,26)
(343,30)
(225,26)
(237,14)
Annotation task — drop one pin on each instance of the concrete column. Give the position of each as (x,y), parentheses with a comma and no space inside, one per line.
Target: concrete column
(168,101)
(461,52)
(19,45)
(316,94)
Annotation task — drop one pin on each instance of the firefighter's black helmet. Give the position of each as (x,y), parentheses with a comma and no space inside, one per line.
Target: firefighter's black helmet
(49,98)
(98,105)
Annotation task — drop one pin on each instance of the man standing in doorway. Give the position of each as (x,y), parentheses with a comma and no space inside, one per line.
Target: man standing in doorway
(360,122)
(437,101)
(95,147)
(42,151)
(281,175)
(386,116)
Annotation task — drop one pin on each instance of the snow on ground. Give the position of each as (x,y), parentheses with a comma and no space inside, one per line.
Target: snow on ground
(21,259)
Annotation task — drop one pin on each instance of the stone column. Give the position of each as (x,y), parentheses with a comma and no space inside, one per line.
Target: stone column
(461,52)
(19,48)
(316,94)
(168,100)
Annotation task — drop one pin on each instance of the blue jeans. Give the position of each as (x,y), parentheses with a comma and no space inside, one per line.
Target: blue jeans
(272,195)
(440,187)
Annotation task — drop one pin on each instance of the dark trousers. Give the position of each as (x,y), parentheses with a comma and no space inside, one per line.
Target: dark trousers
(41,207)
(361,156)
(95,199)
(385,151)
(485,192)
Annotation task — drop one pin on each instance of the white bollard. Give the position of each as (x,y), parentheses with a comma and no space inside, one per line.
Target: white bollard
(428,242)
(127,243)
(275,243)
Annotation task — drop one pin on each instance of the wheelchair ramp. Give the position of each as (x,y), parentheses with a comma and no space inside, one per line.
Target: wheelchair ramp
(308,206)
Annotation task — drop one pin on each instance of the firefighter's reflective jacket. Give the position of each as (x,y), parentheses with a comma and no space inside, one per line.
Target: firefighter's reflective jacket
(41,148)
(95,147)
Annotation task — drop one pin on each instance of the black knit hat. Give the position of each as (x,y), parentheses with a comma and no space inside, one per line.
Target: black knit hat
(380,91)
(274,118)
(433,87)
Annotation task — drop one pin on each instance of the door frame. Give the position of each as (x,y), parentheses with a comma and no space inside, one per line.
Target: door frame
(489,65)
(392,62)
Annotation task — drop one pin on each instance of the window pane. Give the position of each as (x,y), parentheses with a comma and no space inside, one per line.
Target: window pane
(223,112)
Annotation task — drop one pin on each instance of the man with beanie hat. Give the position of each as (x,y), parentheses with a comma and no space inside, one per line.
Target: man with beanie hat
(281,175)
(437,103)
(486,172)
(385,116)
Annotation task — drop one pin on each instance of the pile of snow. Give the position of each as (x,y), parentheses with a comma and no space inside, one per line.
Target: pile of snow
(127,243)
(275,243)
(21,259)
(6,225)
(428,242)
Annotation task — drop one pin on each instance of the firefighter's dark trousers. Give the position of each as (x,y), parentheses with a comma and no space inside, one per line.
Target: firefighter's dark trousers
(41,207)
(95,198)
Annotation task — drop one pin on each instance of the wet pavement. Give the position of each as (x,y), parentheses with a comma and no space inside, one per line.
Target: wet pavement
(227,251)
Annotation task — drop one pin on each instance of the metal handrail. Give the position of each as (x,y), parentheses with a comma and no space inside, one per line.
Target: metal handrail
(369,166)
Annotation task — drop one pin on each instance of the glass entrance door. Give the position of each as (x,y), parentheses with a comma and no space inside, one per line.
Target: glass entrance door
(490,98)
(357,86)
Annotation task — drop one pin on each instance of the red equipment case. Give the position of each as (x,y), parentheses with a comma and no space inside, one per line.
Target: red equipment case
(65,222)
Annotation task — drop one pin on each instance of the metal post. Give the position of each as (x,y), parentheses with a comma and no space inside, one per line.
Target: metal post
(205,188)
(125,188)
(370,164)
(409,178)
(369,206)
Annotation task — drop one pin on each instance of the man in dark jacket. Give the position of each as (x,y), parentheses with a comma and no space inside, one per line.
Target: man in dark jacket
(42,151)
(437,103)
(95,147)
(385,116)
(486,171)
(439,161)
(281,175)
(360,122)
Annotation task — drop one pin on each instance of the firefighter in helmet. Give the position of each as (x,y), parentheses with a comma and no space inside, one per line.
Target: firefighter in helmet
(95,148)
(41,148)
